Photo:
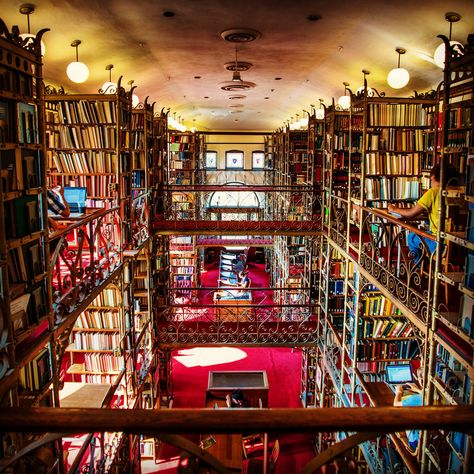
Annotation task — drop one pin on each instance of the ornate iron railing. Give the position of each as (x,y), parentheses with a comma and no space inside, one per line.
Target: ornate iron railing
(83,255)
(386,257)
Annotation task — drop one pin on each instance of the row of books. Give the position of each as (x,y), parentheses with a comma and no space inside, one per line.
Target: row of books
(85,162)
(99,319)
(97,186)
(138,179)
(345,122)
(16,82)
(20,169)
(458,139)
(380,327)
(369,349)
(460,117)
(108,297)
(388,188)
(378,305)
(180,165)
(35,375)
(99,362)
(22,216)
(180,138)
(97,136)
(397,139)
(348,142)
(25,263)
(90,112)
(398,115)
(392,164)
(96,340)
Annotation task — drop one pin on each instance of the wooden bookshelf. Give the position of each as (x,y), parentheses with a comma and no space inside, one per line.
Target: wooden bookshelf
(27,355)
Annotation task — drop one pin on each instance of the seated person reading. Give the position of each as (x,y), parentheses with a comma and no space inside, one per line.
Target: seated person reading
(236,399)
(238,265)
(410,395)
(429,203)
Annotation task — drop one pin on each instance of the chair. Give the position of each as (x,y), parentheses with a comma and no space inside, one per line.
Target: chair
(255,465)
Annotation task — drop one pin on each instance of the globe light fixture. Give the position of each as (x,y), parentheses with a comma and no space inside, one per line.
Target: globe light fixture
(320,112)
(109,87)
(439,55)
(193,128)
(27,9)
(76,71)
(398,77)
(345,100)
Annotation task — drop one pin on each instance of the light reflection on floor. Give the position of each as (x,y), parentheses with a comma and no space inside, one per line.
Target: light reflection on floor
(206,356)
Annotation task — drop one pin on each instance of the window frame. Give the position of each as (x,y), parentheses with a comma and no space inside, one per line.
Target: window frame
(214,152)
(258,168)
(236,168)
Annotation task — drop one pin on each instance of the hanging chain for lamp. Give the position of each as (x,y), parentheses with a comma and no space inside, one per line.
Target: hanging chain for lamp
(236,74)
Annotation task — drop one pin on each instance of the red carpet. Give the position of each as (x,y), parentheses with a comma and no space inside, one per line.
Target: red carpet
(283,365)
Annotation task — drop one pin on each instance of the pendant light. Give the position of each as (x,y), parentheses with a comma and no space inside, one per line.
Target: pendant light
(345,100)
(398,77)
(193,128)
(439,55)
(76,71)
(27,9)
(320,112)
(109,87)
(236,74)
(135,98)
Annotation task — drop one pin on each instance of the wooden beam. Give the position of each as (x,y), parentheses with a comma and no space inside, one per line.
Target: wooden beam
(182,421)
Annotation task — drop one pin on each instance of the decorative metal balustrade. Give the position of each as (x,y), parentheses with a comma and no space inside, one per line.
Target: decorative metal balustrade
(83,255)
(254,322)
(386,257)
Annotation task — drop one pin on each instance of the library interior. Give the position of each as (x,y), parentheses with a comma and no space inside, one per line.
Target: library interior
(237,237)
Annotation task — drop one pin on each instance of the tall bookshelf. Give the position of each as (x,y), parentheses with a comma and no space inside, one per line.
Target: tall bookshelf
(89,145)
(27,352)
(451,347)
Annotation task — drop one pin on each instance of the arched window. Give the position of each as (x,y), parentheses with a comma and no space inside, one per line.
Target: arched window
(258,160)
(234,160)
(211,160)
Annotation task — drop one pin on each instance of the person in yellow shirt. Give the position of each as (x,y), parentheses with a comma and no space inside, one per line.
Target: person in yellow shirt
(428,203)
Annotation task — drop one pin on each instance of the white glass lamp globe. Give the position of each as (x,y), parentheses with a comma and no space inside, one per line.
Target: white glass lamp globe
(109,87)
(398,78)
(344,102)
(319,114)
(135,100)
(25,36)
(77,72)
(304,122)
(440,53)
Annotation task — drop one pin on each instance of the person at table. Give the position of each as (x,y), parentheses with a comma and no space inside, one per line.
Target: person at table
(236,399)
(428,203)
(57,204)
(410,395)
(243,281)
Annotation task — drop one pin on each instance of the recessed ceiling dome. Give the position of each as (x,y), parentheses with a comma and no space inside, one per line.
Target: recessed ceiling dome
(237,86)
(238,66)
(234,97)
(240,35)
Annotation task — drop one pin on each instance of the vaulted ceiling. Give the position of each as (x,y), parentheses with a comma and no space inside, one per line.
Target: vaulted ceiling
(304,50)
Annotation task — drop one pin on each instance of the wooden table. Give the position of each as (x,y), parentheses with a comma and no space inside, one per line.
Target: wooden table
(232,304)
(253,383)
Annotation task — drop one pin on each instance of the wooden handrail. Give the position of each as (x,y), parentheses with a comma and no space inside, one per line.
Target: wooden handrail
(182,421)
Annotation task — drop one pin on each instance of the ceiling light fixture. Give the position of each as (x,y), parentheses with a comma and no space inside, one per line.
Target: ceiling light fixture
(345,100)
(398,77)
(320,112)
(109,87)
(240,35)
(135,98)
(439,55)
(193,128)
(76,71)
(27,9)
